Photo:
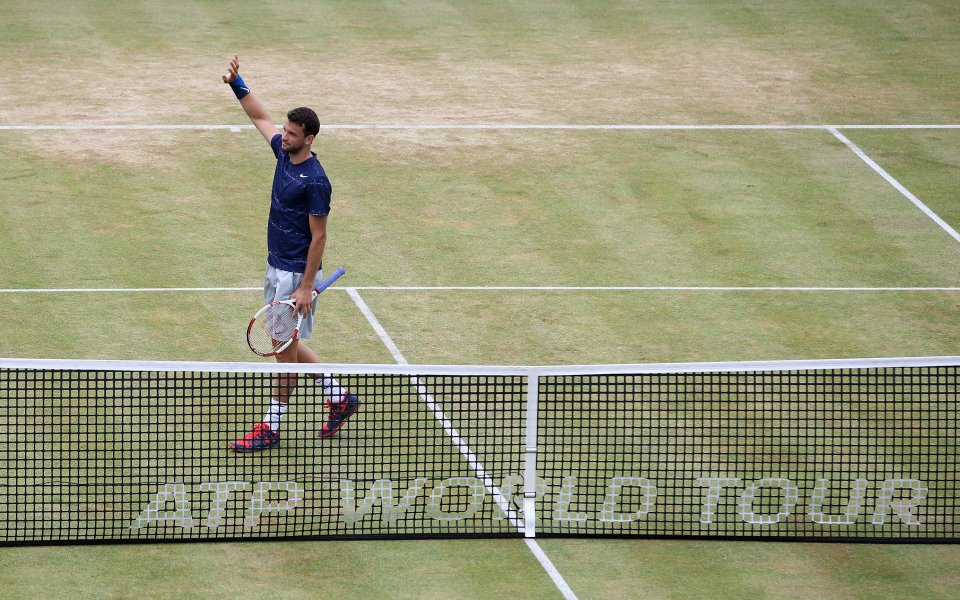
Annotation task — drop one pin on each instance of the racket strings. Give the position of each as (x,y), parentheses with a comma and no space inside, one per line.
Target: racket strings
(273,328)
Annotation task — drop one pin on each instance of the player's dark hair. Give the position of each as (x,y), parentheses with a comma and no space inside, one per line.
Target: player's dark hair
(306,118)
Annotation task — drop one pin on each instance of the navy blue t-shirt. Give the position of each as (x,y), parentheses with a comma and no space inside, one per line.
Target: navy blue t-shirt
(298,192)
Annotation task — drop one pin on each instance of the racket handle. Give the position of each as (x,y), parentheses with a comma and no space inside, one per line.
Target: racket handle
(327,282)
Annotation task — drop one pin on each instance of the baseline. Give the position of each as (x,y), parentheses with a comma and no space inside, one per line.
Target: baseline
(479,126)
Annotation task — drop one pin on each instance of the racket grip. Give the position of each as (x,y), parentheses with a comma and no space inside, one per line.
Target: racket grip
(327,282)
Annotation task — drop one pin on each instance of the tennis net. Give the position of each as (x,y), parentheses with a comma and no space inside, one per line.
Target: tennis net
(844,450)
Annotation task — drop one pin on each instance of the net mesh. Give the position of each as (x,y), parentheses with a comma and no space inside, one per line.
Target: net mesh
(845,454)
(101,453)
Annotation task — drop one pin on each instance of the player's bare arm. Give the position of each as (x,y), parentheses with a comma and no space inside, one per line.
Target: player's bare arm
(303,295)
(255,110)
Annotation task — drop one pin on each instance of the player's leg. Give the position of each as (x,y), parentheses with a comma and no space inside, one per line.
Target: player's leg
(266,433)
(342,404)
(285,384)
(277,285)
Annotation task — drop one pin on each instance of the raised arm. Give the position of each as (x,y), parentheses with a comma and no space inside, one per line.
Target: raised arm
(255,111)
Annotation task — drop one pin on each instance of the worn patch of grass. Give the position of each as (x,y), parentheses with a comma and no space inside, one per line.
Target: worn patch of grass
(428,61)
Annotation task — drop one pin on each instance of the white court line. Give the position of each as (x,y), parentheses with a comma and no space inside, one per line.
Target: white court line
(482,126)
(122,290)
(652,288)
(896,184)
(127,127)
(498,288)
(461,444)
(377,327)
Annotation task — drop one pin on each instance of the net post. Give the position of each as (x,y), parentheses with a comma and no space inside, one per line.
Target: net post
(530,457)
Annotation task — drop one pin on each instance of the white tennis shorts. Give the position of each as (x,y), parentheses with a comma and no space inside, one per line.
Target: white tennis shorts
(280,285)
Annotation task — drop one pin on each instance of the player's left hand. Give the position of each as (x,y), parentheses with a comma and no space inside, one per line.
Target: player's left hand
(233,70)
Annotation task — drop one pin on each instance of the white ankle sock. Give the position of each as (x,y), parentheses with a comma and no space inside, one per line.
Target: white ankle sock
(276,412)
(331,389)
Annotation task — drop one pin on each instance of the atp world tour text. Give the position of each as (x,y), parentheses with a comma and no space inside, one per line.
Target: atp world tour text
(766,502)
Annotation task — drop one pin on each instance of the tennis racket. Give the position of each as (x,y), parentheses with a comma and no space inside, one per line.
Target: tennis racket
(276,325)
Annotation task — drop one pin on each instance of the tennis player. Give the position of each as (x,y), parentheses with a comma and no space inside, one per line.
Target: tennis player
(296,237)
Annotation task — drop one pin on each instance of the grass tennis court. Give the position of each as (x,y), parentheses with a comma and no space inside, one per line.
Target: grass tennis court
(541,243)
